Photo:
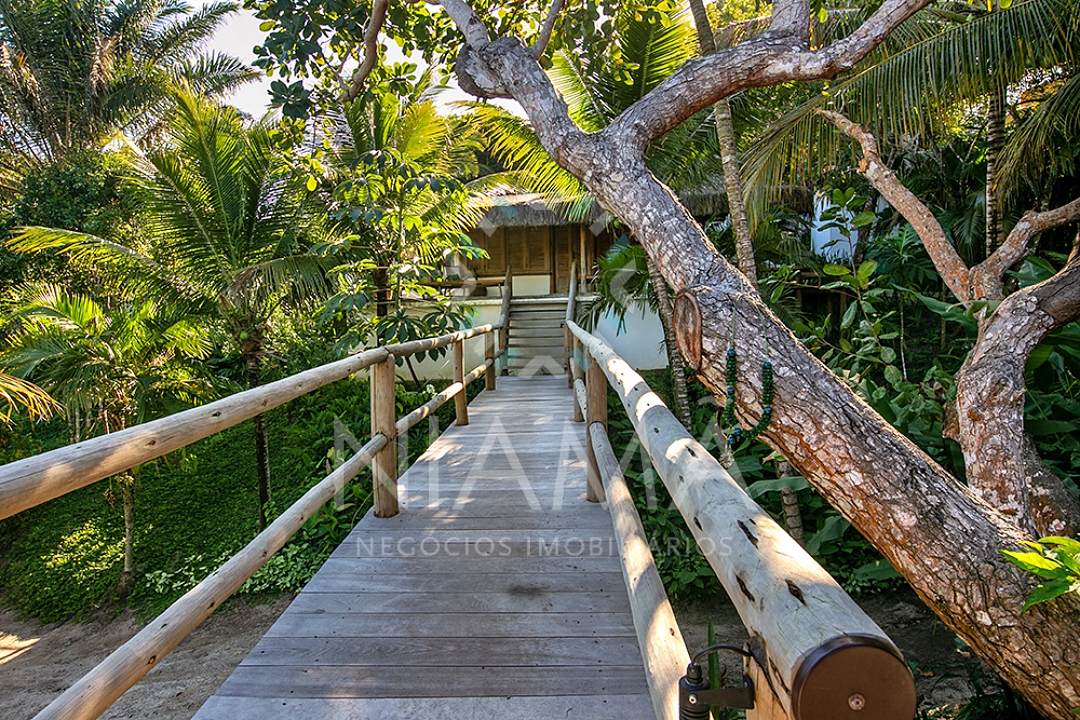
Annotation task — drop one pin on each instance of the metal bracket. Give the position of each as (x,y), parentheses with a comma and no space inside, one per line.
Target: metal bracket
(741,697)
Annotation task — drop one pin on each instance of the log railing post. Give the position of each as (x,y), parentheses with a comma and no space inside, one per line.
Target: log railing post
(568,337)
(576,375)
(489,357)
(461,400)
(596,412)
(384,470)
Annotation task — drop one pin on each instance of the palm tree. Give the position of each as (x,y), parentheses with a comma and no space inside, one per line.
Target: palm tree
(74,72)
(395,160)
(918,87)
(18,393)
(230,236)
(116,366)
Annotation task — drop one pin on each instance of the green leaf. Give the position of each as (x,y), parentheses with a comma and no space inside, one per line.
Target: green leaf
(311,183)
(266,26)
(785,483)
(849,316)
(1036,564)
(833,529)
(1047,591)
(863,219)
(1067,544)
(877,570)
(893,375)
(835,270)
(866,269)
(888,355)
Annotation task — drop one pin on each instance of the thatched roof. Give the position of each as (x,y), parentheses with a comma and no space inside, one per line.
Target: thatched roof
(530,210)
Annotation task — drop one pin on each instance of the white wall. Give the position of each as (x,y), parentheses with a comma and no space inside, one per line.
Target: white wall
(531,285)
(641,343)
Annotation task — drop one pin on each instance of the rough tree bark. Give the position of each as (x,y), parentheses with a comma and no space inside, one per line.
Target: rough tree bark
(1001,463)
(937,533)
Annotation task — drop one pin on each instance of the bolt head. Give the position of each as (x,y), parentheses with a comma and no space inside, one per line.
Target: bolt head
(692,699)
(856,701)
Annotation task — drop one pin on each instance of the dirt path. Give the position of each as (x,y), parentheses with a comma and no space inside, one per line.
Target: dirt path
(38,662)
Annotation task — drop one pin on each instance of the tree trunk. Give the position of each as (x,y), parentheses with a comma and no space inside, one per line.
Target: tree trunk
(1002,465)
(729,157)
(262,456)
(995,142)
(127,493)
(675,361)
(945,541)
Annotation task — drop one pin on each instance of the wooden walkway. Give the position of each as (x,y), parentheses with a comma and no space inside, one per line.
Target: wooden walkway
(496,593)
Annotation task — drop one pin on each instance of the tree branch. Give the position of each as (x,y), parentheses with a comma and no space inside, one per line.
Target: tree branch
(476,35)
(549,27)
(759,62)
(948,262)
(987,275)
(371,50)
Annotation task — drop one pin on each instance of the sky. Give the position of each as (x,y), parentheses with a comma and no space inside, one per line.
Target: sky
(237,38)
(241,34)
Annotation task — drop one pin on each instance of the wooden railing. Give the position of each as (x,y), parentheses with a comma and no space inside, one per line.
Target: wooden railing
(35,480)
(816,654)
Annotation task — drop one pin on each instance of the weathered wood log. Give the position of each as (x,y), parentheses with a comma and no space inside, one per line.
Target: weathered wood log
(461,402)
(414,346)
(663,650)
(40,478)
(489,355)
(595,413)
(98,689)
(568,339)
(581,400)
(384,472)
(810,633)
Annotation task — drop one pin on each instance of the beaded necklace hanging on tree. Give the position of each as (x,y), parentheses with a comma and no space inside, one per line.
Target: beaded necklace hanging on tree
(737,433)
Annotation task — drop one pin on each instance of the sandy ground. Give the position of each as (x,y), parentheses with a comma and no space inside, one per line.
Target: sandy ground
(38,662)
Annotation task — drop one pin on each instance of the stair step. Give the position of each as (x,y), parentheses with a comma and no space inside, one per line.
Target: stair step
(547,331)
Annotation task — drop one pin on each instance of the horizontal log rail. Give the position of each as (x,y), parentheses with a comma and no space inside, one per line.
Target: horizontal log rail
(27,483)
(816,653)
(102,686)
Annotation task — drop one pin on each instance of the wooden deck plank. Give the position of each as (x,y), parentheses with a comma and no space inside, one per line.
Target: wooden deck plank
(445,652)
(566,707)
(445,602)
(496,593)
(430,682)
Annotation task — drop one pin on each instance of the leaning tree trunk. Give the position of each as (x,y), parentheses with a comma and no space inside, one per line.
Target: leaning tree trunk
(729,157)
(944,540)
(675,361)
(253,361)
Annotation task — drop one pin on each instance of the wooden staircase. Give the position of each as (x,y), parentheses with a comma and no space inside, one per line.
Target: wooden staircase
(535,345)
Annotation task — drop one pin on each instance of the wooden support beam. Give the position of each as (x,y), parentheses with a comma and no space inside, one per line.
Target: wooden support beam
(384,471)
(489,356)
(834,648)
(663,650)
(595,412)
(579,383)
(461,401)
